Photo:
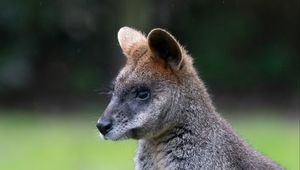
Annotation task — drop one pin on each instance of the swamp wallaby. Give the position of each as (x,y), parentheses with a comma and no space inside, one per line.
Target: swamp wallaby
(159,99)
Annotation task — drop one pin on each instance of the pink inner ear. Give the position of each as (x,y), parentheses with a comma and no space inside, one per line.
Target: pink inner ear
(128,38)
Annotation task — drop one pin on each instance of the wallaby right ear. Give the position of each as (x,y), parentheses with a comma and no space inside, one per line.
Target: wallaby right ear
(165,47)
(128,37)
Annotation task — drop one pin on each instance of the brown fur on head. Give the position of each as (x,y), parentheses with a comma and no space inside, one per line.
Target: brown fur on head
(159,52)
(148,88)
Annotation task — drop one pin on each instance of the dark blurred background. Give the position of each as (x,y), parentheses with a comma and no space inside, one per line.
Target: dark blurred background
(56,54)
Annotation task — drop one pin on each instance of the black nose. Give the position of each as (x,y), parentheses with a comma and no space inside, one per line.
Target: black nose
(104,126)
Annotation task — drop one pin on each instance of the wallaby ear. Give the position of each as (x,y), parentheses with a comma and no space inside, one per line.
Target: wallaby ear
(164,46)
(128,37)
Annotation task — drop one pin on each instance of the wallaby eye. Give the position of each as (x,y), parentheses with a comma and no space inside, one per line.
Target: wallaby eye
(143,94)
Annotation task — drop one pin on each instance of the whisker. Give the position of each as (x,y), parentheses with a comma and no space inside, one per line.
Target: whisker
(105,91)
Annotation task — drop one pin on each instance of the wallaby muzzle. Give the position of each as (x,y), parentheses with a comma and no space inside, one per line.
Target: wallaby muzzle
(105,123)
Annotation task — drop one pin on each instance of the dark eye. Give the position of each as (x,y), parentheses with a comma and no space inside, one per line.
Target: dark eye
(143,94)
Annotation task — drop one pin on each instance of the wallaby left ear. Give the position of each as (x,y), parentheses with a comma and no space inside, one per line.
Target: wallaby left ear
(164,46)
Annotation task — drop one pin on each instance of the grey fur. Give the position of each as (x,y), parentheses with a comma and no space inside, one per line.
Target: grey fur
(178,128)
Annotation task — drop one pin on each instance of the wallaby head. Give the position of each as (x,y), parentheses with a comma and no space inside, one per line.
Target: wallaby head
(147,91)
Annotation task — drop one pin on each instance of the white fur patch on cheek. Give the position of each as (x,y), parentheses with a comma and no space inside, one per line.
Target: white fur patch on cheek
(149,114)
(139,121)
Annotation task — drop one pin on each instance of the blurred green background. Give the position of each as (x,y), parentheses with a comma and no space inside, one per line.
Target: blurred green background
(55,55)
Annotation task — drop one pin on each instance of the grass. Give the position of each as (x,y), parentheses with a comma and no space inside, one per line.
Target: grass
(36,142)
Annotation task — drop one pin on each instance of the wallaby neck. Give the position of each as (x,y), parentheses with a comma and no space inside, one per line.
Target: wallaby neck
(194,97)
